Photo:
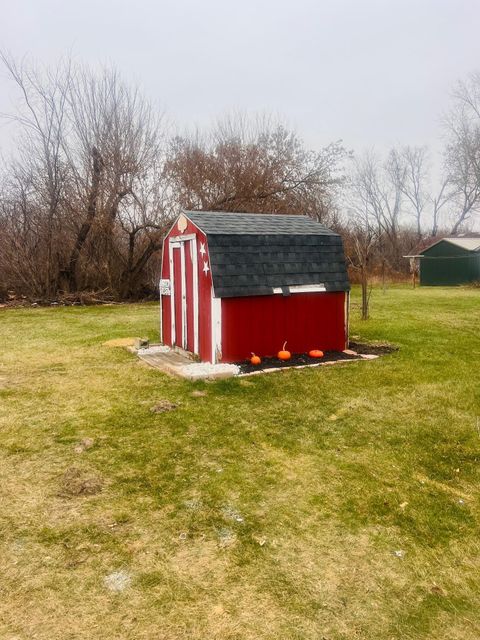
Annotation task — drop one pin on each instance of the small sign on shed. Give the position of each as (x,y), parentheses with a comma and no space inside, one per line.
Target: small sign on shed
(164,287)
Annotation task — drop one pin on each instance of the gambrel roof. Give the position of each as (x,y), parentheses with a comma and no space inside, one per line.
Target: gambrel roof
(258,254)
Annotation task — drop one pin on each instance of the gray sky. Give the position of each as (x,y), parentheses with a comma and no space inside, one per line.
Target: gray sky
(373,73)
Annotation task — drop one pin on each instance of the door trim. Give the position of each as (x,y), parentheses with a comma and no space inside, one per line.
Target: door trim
(171,246)
(193,248)
(183,277)
(216,319)
(179,243)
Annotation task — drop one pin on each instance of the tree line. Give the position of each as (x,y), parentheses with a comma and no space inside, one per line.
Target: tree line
(97,176)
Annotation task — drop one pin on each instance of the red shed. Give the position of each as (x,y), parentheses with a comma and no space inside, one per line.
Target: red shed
(233,283)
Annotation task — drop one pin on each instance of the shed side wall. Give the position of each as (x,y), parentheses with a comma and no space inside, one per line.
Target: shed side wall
(262,324)
(452,270)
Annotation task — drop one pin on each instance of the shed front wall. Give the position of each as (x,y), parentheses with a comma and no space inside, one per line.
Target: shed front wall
(447,264)
(204,292)
(261,324)
(449,271)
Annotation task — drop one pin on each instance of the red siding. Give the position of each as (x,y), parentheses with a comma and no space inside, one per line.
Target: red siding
(204,292)
(262,324)
(205,303)
(189,286)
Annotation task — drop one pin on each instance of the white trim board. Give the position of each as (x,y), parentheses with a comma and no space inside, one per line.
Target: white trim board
(216,322)
(161,313)
(183,280)
(188,236)
(179,243)
(171,247)
(347,318)
(193,249)
(301,288)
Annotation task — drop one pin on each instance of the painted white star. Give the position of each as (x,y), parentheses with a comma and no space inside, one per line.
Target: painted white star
(206,268)
(202,249)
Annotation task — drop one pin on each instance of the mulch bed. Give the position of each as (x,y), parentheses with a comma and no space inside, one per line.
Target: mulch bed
(297,360)
(303,359)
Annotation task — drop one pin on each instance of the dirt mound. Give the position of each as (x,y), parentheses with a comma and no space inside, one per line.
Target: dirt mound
(374,348)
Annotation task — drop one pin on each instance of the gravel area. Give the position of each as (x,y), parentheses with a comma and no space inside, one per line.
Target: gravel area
(150,351)
(198,370)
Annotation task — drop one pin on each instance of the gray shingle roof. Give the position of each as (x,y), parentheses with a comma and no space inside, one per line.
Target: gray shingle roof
(251,254)
(255,223)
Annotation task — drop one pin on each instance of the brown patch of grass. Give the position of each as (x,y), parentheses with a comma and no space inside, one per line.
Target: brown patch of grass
(163,406)
(120,342)
(77,481)
(199,562)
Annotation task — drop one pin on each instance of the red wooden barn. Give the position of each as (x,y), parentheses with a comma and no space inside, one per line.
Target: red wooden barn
(236,283)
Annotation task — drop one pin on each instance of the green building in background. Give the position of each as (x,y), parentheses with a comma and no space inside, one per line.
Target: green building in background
(451,261)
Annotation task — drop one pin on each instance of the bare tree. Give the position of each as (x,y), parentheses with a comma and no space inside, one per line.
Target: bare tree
(144,219)
(462,155)
(438,201)
(87,141)
(117,142)
(365,208)
(21,234)
(260,167)
(378,186)
(412,164)
(42,120)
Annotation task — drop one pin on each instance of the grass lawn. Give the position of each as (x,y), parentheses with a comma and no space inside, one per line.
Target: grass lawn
(329,503)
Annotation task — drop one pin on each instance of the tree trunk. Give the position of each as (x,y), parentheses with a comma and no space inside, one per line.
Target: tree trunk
(365,300)
(71,271)
(132,271)
(457,225)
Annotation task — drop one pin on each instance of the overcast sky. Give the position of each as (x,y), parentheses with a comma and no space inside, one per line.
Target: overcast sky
(374,73)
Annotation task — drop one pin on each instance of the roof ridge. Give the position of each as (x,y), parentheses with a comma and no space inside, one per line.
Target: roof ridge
(237,223)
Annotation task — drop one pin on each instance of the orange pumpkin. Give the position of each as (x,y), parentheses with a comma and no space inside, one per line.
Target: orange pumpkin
(315,353)
(255,360)
(284,355)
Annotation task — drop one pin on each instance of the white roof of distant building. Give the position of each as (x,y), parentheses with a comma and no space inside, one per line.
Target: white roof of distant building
(471,244)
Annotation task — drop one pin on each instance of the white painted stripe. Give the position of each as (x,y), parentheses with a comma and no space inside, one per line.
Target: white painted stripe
(302,288)
(183,294)
(347,319)
(161,316)
(172,293)
(216,320)
(188,236)
(162,274)
(193,249)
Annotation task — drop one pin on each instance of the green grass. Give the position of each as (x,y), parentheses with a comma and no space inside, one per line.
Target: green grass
(270,508)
